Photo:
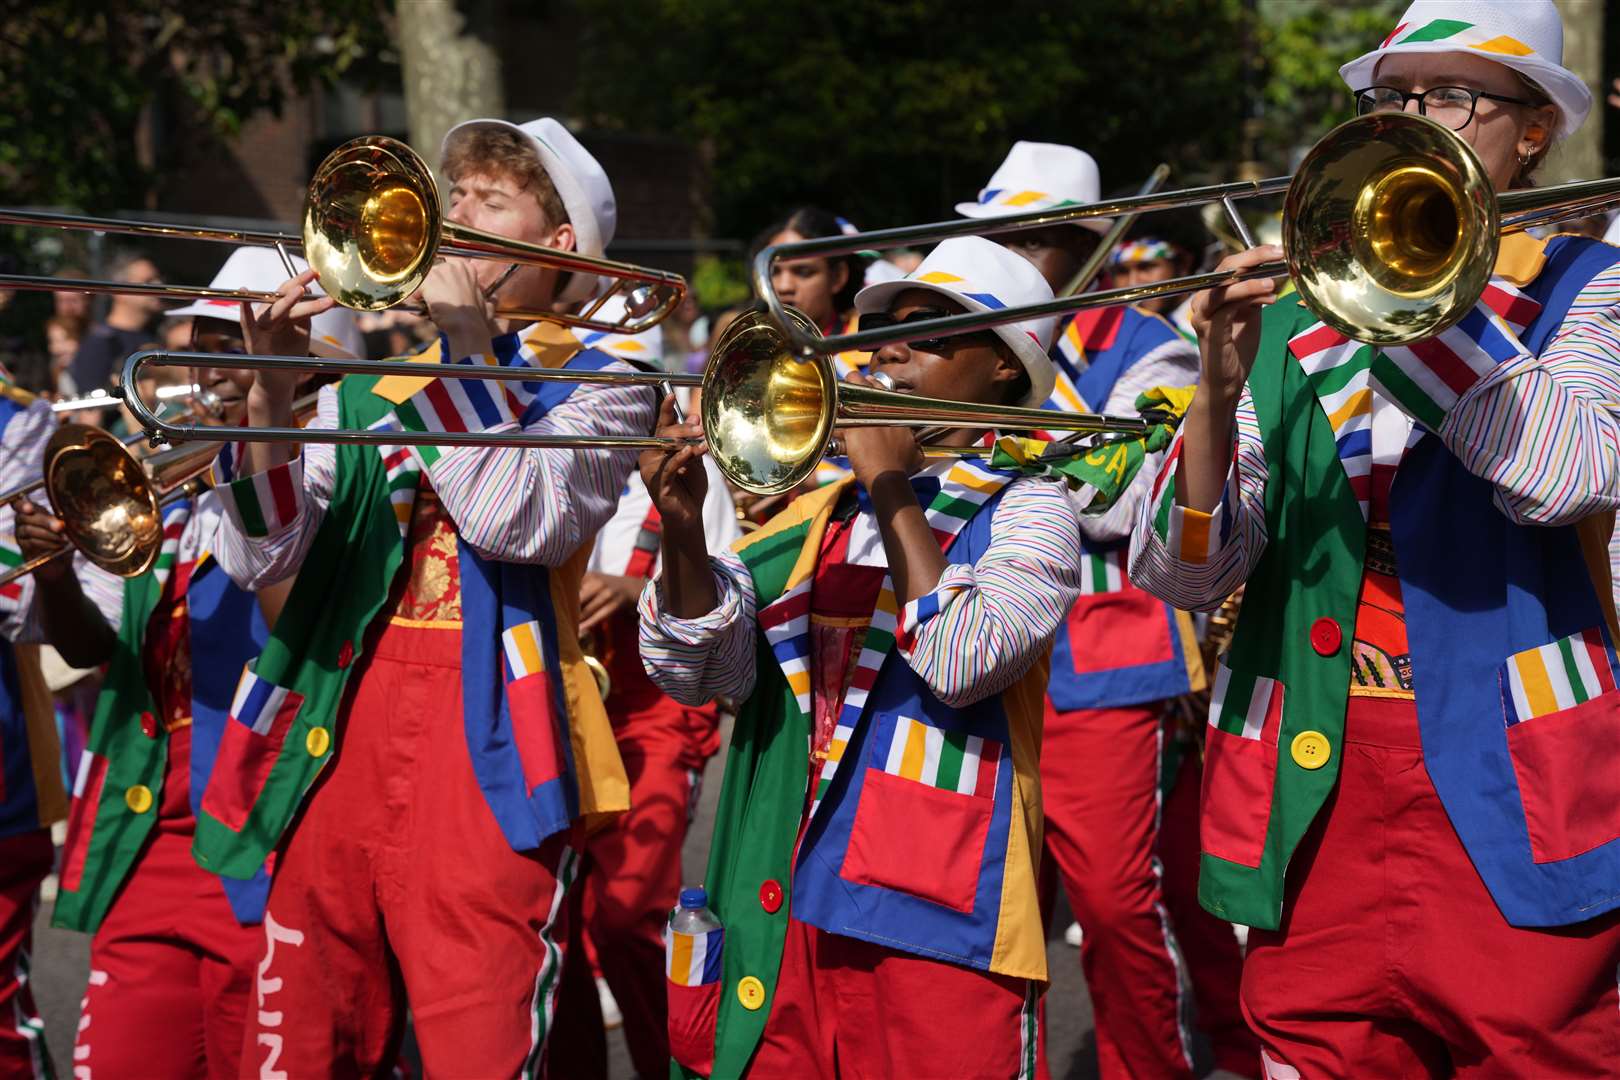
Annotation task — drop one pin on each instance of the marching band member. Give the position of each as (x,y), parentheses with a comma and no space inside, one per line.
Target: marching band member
(431,634)
(1167,244)
(878,895)
(1410,791)
(630,870)
(173,946)
(31,795)
(1120,655)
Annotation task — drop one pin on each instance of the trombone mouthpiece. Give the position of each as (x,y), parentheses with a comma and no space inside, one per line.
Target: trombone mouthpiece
(883,379)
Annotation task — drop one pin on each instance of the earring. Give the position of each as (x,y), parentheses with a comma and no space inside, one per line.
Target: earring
(1524,159)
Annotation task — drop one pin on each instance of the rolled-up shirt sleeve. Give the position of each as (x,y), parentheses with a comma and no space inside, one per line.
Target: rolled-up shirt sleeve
(1193,560)
(984,625)
(530,505)
(271,517)
(697,660)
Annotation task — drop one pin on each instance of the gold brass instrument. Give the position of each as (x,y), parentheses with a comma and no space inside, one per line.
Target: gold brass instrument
(1390,229)
(111,502)
(768,415)
(373,225)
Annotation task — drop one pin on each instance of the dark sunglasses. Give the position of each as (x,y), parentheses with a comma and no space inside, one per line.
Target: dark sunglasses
(882,320)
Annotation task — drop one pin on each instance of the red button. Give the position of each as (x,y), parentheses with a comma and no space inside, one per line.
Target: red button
(770,897)
(1326,637)
(346,654)
(149,726)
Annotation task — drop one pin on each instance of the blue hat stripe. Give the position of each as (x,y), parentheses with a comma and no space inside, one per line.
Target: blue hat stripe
(986,299)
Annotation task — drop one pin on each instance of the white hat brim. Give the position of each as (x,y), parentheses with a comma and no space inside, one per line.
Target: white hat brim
(587,237)
(1098,225)
(1571,95)
(1038,365)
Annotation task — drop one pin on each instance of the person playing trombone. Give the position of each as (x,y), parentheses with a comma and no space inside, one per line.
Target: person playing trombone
(421,737)
(173,946)
(1410,790)
(886,639)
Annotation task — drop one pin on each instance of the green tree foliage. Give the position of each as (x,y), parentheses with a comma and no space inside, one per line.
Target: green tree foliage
(77,79)
(891,111)
(1303,43)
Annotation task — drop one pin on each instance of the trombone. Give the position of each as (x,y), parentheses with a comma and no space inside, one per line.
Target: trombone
(768,416)
(373,226)
(1390,229)
(110,502)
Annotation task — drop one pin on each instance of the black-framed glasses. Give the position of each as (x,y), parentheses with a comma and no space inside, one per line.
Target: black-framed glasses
(1450,106)
(882,320)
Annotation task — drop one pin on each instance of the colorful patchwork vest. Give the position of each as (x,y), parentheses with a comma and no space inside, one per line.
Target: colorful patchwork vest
(1533,796)
(31,793)
(120,778)
(539,739)
(925,822)
(1119,645)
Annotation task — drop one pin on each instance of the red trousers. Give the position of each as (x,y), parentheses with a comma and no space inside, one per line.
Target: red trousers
(397,883)
(25,859)
(169,957)
(849,1009)
(1393,961)
(630,878)
(1100,793)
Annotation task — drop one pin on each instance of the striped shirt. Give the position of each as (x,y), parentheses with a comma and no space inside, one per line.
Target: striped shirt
(1544,430)
(521,505)
(996,617)
(22,457)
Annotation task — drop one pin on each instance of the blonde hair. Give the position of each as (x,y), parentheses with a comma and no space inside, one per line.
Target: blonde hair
(510,154)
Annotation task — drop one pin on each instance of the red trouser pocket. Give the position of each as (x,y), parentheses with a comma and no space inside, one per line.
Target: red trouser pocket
(1568,780)
(1239,777)
(693,1012)
(918,839)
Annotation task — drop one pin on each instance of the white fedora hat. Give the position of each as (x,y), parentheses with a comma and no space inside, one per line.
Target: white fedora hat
(981,275)
(1525,35)
(1040,176)
(332,334)
(580,181)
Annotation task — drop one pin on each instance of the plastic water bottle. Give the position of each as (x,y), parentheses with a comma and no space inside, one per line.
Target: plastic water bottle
(692,915)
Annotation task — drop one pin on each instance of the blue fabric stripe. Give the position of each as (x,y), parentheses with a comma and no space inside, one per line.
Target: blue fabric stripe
(987,299)
(1355,443)
(481,396)
(796,647)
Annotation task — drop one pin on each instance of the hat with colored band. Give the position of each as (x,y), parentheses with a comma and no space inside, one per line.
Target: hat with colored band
(1040,176)
(332,334)
(1525,35)
(580,182)
(981,275)
(1143,249)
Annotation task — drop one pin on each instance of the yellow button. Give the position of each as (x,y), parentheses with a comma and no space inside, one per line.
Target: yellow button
(1311,750)
(751,992)
(138,798)
(318,741)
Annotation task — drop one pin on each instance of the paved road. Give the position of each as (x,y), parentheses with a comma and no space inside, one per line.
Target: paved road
(61,960)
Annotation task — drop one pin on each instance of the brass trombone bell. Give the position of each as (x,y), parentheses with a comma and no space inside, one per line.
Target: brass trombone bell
(1390,232)
(373,226)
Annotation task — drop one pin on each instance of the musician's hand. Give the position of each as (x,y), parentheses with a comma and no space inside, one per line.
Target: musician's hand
(601,596)
(675,476)
(1227,319)
(457,306)
(874,451)
(280,329)
(39,533)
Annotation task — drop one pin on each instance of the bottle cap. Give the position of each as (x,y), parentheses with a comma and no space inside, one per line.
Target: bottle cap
(694,899)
